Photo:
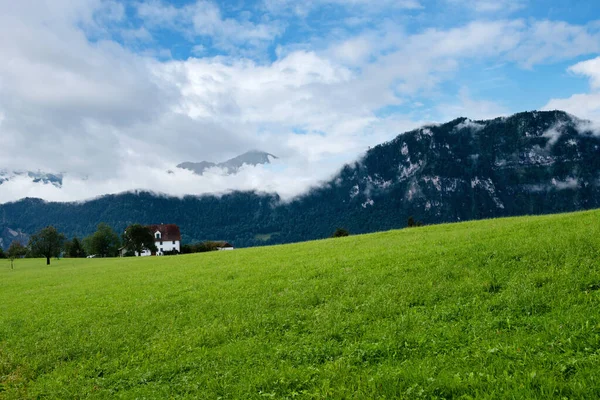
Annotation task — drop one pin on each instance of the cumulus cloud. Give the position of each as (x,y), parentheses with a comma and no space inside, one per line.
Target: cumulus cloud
(556,41)
(584,105)
(64,98)
(204,18)
(589,69)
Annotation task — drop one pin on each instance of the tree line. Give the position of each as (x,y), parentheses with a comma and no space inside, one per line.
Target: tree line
(202,247)
(104,242)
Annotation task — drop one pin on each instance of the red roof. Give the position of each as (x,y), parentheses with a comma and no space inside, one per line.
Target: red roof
(168,232)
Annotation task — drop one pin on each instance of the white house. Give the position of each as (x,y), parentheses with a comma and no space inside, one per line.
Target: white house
(167,238)
(224,246)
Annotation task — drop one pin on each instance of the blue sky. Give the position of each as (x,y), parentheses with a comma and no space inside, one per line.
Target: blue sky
(315,25)
(513,85)
(114,93)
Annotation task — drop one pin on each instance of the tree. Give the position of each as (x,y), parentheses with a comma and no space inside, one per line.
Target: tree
(411,223)
(186,249)
(340,232)
(47,243)
(138,238)
(74,248)
(104,242)
(2,255)
(16,250)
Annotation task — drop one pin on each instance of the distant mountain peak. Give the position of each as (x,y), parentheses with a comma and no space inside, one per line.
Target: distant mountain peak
(233,165)
(39,176)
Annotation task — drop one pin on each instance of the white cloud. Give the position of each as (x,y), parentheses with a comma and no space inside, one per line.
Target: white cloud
(208,21)
(589,69)
(204,19)
(465,106)
(555,41)
(198,50)
(584,105)
(158,14)
(271,178)
(304,8)
(490,6)
(353,51)
(136,35)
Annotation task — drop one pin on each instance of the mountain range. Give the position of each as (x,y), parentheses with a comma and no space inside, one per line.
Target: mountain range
(231,166)
(528,163)
(43,177)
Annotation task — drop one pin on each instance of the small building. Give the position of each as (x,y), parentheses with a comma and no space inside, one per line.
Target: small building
(167,239)
(224,246)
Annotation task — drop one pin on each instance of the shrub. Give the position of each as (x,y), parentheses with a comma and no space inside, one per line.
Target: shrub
(340,232)
(129,253)
(412,223)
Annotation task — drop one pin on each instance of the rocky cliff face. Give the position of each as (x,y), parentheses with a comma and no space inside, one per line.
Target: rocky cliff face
(7,236)
(529,163)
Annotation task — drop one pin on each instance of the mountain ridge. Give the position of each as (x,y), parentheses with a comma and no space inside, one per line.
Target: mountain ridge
(528,163)
(231,166)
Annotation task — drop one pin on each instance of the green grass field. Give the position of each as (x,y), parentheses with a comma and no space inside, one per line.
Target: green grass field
(504,308)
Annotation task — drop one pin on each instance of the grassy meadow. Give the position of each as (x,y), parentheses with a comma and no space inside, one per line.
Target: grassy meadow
(506,308)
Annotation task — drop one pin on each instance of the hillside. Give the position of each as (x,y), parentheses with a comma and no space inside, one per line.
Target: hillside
(529,163)
(504,308)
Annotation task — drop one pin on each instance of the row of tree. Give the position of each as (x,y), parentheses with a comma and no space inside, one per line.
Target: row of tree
(105,242)
(202,247)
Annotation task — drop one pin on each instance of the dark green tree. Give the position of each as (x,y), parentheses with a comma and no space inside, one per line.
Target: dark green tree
(340,232)
(16,250)
(412,223)
(2,255)
(104,242)
(47,243)
(74,248)
(137,238)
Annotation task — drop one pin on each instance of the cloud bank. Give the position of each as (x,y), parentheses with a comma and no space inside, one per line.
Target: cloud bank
(102,91)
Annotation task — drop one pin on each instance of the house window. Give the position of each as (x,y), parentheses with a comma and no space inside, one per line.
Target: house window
(158,235)
(173,242)
(161,250)
(161,244)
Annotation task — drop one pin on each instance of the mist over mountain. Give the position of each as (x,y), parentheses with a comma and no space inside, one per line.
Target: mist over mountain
(231,166)
(37,177)
(529,163)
